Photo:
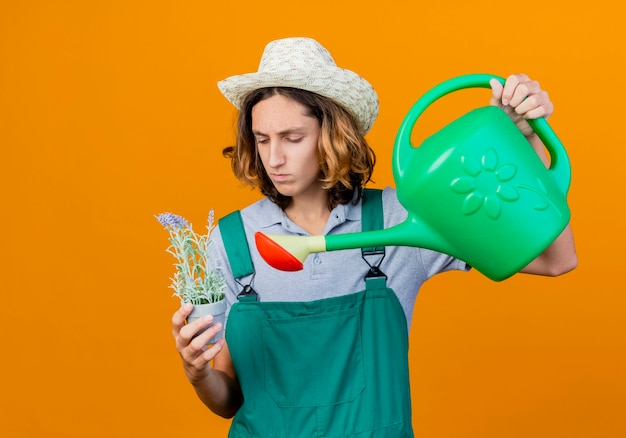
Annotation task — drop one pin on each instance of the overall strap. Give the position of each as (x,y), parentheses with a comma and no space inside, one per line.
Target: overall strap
(372,219)
(236,244)
(372,215)
(238,252)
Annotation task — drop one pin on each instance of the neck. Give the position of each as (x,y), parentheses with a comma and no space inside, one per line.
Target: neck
(310,212)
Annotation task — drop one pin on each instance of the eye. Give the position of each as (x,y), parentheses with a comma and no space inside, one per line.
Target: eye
(295,140)
(261,140)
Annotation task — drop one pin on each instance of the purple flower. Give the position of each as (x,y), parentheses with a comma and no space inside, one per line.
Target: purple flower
(172,220)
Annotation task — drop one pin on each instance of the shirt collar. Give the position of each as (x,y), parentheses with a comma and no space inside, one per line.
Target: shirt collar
(271,214)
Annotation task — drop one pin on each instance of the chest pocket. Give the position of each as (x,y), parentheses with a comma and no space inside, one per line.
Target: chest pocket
(315,359)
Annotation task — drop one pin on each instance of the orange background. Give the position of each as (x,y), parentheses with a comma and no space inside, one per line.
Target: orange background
(109,114)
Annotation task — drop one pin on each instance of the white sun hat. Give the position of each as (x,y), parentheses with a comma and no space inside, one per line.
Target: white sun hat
(305,64)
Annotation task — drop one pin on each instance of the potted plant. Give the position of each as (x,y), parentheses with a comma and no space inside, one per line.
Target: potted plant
(196,280)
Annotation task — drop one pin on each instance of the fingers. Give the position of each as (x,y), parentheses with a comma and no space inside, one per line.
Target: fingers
(192,342)
(179,318)
(525,97)
(496,91)
(198,357)
(535,106)
(514,89)
(192,339)
(197,334)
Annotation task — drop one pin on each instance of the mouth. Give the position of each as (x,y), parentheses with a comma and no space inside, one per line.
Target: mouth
(279,177)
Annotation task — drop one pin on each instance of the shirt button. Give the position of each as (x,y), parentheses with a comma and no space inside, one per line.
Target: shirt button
(317,260)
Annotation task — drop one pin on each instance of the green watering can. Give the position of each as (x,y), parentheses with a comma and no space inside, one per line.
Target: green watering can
(475,190)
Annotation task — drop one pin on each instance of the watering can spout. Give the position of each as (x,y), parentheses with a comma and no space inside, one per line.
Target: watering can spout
(287,253)
(412,232)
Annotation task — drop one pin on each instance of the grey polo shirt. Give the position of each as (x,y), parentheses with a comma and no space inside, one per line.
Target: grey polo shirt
(332,273)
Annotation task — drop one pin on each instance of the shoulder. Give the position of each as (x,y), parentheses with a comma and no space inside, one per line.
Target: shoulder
(262,214)
(258,216)
(394,212)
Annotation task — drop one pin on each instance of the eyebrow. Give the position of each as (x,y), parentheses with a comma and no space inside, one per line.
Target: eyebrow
(299,130)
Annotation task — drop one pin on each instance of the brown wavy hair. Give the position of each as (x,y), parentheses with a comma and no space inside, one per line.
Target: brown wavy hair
(346,160)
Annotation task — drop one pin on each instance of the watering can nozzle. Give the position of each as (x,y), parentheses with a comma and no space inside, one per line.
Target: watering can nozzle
(287,253)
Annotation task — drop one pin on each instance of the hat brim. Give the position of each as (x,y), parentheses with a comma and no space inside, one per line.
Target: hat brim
(343,86)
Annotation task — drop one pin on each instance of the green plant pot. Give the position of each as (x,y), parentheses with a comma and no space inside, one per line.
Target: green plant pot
(218,310)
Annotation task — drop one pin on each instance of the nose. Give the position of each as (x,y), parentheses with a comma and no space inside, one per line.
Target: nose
(275,157)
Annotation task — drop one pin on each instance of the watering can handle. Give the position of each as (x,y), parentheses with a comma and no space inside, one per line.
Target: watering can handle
(559,161)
